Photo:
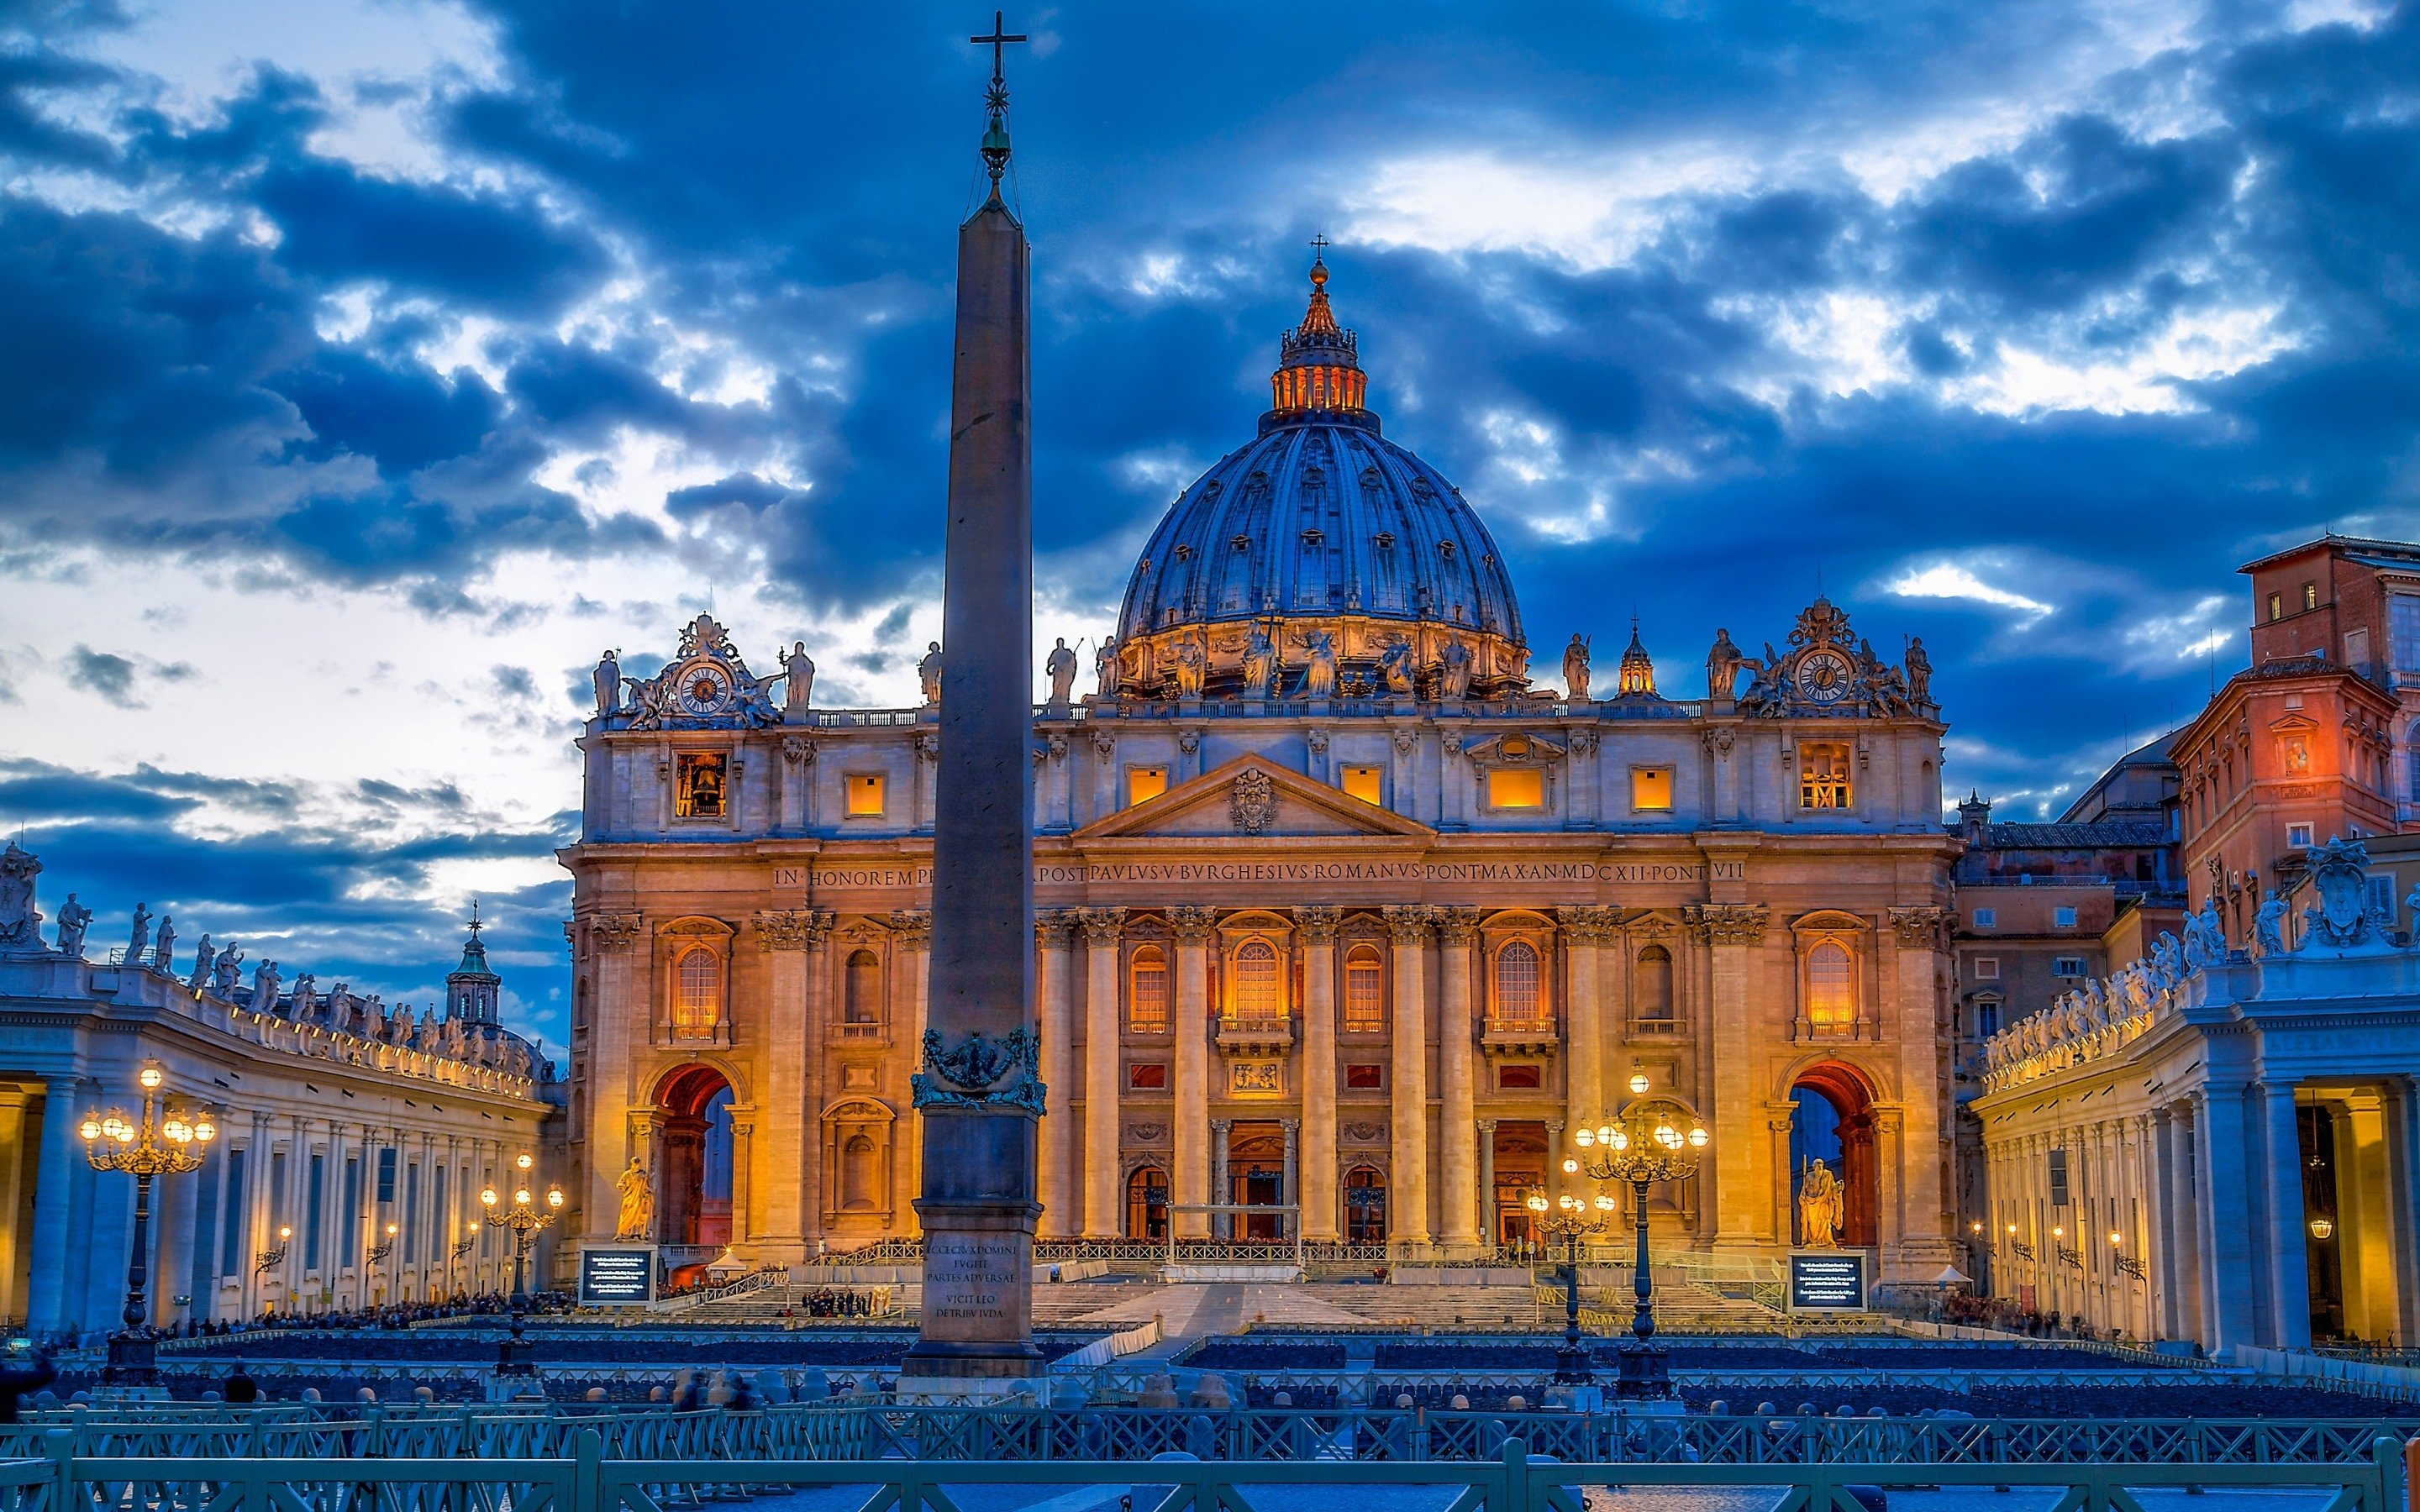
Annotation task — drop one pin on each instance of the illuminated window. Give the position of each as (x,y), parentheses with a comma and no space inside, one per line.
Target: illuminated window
(2276,605)
(1147,992)
(1365,1076)
(1650,789)
(864,795)
(2311,595)
(1822,774)
(1365,784)
(1654,988)
(1522,787)
(698,789)
(1365,990)
(1144,783)
(1256,980)
(1516,983)
(1147,1076)
(1514,1078)
(1365,1205)
(697,982)
(860,997)
(1831,990)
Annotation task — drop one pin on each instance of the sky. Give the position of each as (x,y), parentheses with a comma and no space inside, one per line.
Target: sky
(367,366)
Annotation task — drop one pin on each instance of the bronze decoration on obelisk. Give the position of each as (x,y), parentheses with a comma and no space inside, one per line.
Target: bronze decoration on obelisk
(979,1089)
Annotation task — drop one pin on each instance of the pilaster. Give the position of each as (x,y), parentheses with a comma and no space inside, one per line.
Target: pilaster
(1407,1208)
(1320,1217)
(1051,933)
(1457,928)
(1191,1182)
(1732,933)
(1102,1068)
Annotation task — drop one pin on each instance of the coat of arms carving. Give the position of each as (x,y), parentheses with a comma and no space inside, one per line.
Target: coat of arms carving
(1252,801)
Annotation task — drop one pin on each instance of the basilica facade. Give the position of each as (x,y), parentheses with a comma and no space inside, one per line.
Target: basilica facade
(1342,914)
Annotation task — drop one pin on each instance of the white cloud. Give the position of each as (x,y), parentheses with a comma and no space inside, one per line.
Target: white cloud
(1948,580)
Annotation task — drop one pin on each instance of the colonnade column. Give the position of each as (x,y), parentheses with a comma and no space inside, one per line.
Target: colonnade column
(1222,1189)
(913,929)
(1488,1237)
(1056,1136)
(1192,926)
(781,934)
(1102,927)
(1557,1182)
(1319,1195)
(2402,1172)
(2226,1155)
(743,1149)
(1457,929)
(1407,1208)
(1291,1193)
(2289,1279)
(1732,932)
(46,1288)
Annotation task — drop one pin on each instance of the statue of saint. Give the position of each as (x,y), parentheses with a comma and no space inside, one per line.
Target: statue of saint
(2268,925)
(1456,658)
(608,678)
(139,936)
(163,944)
(1396,663)
(1105,666)
(1919,671)
(1722,661)
(1576,668)
(638,1190)
(929,672)
(1192,667)
(1059,667)
(1260,665)
(225,970)
(1819,1208)
(1319,676)
(20,923)
(74,918)
(265,982)
(202,956)
(801,685)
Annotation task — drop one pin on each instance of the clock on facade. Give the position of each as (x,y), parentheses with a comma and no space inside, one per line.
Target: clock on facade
(1823,676)
(704,688)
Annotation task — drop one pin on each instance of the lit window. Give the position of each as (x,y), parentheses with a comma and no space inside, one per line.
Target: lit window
(2299,836)
(2311,595)
(2062,917)
(697,980)
(1256,980)
(1987,969)
(1365,784)
(1144,783)
(2276,605)
(1365,990)
(1147,995)
(1365,1076)
(1512,1078)
(1650,789)
(1831,990)
(2067,965)
(1148,1076)
(1516,983)
(1822,774)
(698,785)
(1517,788)
(864,795)
(1987,918)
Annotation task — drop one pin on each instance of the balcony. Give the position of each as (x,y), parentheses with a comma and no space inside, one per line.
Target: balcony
(1255,1034)
(861,1033)
(1520,1034)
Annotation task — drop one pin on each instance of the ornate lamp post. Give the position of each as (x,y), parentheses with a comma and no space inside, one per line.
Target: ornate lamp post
(1653,1139)
(524,1219)
(1570,1220)
(461,1247)
(169,1146)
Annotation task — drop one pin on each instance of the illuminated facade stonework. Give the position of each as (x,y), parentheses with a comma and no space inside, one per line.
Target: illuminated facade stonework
(1338,909)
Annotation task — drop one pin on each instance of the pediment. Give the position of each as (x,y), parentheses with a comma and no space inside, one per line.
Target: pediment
(1249,797)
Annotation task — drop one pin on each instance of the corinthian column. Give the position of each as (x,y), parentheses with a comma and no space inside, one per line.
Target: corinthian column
(913,930)
(1732,932)
(1102,927)
(1051,932)
(1193,1133)
(784,935)
(1319,1174)
(1407,1208)
(1585,930)
(1919,934)
(619,1014)
(1459,1230)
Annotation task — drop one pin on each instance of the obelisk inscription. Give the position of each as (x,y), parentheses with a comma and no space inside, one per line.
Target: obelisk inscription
(979,1087)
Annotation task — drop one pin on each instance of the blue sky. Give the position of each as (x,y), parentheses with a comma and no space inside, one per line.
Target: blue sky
(366,366)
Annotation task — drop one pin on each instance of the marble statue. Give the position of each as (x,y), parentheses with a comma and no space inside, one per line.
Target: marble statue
(163,944)
(801,670)
(21,924)
(638,1189)
(202,956)
(1723,667)
(1575,668)
(224,975)
(1319,674)
(306,997)
(1395,662)
(1192,668)
(139,937)
(1919,671)
(2411,909)
(265,980)
(74,918)
(2205,937)
(1260,665)
(1456,658)
(1105,666)
(2167,962)
(929,672)
(2268,925)
(1059,667)
(608,678)
(1819,1208)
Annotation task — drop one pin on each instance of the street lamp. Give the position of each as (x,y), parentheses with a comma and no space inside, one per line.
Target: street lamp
(523,1218)
(1570,1220)
(161,1146)
(1653,1139)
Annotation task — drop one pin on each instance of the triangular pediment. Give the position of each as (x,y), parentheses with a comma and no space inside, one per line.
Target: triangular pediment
(1249,797)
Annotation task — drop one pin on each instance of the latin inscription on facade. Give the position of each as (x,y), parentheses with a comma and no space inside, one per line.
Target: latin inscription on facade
(1183,874)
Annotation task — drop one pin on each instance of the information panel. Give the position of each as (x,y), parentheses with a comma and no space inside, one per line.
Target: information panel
(620,1277)
(1828,1281)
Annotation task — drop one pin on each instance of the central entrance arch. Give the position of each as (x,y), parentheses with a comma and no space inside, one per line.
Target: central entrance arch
(694,1175)
(1832,1120)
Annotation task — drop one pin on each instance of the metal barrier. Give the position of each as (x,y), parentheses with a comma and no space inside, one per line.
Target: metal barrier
(1509,1480)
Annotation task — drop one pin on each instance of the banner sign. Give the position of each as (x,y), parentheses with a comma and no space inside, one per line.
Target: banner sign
(617,1278)
(1828,1281)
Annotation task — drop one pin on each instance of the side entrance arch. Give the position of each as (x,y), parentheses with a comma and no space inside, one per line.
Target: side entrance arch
(693,1172)
(1832,1120)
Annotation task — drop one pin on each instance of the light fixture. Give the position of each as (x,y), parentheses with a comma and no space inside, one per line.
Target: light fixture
(487,1198)
(523,1161)
(2323,1229)
(151,1077)
(284,1231)
(2012,1230)
(2115,1238)
(1976,1226)
(1571,1166)
(1639,1084)
(1584,1136)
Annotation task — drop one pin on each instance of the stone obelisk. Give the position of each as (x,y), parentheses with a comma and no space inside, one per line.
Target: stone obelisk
(979,1088)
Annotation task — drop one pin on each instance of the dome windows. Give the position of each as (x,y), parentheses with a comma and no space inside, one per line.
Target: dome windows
(1384,540)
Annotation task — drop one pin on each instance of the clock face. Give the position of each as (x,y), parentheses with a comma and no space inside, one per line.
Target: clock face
(704,688)
(1823,676)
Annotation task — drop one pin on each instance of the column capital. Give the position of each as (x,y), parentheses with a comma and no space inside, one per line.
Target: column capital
(912,927)
(1290,1125)
(1727,923)
(1923,928)
(1319,922)
(1053,929)
(792,929)
(1102,926)
(1221,1125)
(1487,1126)
(1554,1126)
(1457,925)
(1409,923)
(614,931)
(1590,924)
(1192,922)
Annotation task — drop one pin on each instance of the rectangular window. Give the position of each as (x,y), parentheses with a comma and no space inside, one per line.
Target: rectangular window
(2381,899)
(1144,783)
(237,1232)
(2276,605)
(386,1176)
(1987,1020)
(864,790)
(1365,1076)
(1513,1078)
(1147,1076)
(2311,595)
(314,1205)
(2299,836)
(1365,991)
(1987,918)
(698,790)
(2063,918)
(1822,774)
(2058,1178)
(2403,630)
(2067,965)
(1650,789)
(1367,783)
(1520,787)
(1987,969)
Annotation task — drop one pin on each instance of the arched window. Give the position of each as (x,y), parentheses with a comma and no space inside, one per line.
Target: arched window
(1147,1204)
(1365,1205)
(858,1159)
(1655,985)
(860,998)
(1831,990)
(697,996)
(1147,993)
(1256,980)
(1516,983)
(1365,990)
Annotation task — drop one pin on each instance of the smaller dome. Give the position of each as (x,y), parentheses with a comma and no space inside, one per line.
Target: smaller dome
(1638,677)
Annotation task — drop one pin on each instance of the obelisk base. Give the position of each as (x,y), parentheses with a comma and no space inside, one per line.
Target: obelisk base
(976,1338)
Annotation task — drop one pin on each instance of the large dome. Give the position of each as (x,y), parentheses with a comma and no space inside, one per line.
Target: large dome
(1321,526)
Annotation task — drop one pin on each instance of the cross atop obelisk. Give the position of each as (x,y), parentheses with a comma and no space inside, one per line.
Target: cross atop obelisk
(995,143)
